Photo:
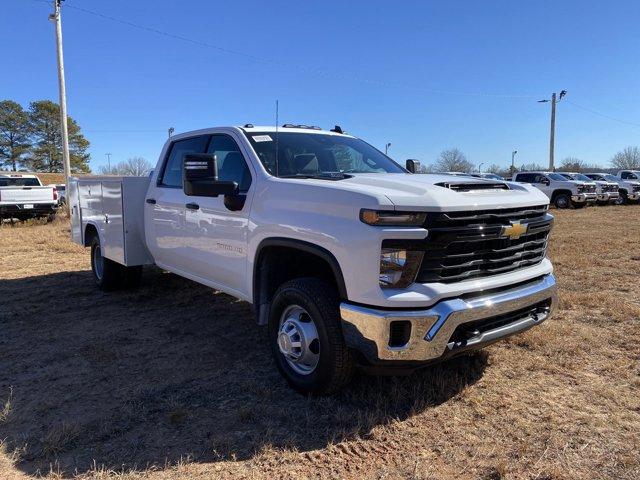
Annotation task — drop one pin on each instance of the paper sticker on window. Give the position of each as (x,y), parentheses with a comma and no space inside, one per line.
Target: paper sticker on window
(262,138)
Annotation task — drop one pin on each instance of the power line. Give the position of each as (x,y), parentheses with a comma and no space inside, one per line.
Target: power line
(594,112)
(264,60)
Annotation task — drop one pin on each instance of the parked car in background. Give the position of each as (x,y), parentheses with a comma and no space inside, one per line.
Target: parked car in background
(347,257)
(628,190)
(23,196)
(607,191)
(457,174)
(490,176)
(563,192)
(62,193)
(630,183)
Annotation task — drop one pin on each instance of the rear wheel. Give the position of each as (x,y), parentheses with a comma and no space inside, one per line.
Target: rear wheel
(306,338)
(562,200)
(110,275)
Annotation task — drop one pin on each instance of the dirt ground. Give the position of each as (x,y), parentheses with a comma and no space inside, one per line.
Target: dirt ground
(175,381)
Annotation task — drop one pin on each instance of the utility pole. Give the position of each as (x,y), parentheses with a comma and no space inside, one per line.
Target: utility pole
(386,148)
(55,16)
(552,135)
(513,157)
(108,155)
(480,167)
(170,131)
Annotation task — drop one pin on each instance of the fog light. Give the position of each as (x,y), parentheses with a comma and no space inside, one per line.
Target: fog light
(398,267)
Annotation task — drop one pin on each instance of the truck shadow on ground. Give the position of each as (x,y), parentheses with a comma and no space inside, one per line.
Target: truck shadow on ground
(172,370)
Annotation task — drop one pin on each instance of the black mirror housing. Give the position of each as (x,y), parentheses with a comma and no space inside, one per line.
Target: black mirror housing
(413,165)
(200,177)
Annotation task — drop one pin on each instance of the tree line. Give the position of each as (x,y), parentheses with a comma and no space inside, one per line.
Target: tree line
(30,138)
(454,160)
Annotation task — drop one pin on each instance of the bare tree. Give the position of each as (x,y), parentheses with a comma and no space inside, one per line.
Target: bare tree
(453,160)
(531,167)
(495,168)
(627,159)
(572,164)
(133,167)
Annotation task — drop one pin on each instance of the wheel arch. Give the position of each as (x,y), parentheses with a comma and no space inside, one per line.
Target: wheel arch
(560,191)
(90,230)
(320,263)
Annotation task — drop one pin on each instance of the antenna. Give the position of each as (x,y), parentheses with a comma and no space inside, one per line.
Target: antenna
(277,169)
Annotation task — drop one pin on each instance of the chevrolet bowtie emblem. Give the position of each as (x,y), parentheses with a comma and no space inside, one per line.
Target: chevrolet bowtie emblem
(514,231)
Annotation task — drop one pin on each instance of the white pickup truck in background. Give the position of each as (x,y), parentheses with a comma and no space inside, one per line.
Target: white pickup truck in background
(23,196)
(562,192)
(347,257)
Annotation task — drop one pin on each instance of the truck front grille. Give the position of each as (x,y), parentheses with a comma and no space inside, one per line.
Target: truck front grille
(465,245)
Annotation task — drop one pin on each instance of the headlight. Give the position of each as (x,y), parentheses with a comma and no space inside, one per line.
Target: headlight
(398,268)
(392,219)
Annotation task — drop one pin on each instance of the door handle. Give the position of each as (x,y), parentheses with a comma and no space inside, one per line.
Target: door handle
(151,201)
(192,206)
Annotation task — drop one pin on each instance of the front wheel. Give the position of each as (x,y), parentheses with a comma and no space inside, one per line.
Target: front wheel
(562,200)
(306,339)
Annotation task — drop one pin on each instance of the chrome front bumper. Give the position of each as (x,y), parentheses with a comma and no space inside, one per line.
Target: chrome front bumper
(584,197)
(367,330)
(633,196)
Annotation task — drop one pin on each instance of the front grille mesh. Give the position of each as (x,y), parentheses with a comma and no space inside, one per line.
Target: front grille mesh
(466,245)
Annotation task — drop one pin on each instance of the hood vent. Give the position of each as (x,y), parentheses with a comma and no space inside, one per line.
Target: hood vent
(472,187)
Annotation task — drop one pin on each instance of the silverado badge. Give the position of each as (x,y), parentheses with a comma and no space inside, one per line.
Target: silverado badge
(514,231)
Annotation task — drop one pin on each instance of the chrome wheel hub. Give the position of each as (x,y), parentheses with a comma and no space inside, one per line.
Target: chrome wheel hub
(98,262)
(298,340)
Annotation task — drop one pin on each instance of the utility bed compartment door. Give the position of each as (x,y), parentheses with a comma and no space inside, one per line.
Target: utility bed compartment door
(113,222)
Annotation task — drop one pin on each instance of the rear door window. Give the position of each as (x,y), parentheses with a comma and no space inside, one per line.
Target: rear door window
(172,170)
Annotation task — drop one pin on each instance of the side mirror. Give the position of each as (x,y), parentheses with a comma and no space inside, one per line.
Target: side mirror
(413,165)
(200,177)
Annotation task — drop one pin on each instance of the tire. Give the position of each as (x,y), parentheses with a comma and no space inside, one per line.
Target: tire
(624,199)
(110,275)
(299,307)
(562,200)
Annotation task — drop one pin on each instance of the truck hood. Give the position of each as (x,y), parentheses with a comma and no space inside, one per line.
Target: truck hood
(431,192)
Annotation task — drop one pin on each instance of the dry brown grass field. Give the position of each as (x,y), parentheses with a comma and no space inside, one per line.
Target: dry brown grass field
(175,381)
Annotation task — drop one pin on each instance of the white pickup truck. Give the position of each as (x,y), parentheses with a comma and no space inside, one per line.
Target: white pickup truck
(562,192)
(23,196)
(349,259)
(607,191)
(629,181)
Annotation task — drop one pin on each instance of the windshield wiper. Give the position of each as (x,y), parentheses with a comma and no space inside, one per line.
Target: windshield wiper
(318,176)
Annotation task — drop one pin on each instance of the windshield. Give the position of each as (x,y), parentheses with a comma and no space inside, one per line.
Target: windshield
(492,175)
(557,177)
(581,177)
(19,182)
(316,154)
(611,178)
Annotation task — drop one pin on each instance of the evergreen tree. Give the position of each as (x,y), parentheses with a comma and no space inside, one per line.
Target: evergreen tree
(46,152)
(14,134)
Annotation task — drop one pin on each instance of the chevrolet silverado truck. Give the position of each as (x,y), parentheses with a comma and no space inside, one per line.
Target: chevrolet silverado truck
(607,191)
(628,190)
(629,181)
(562,192)
(23,196)
(348,258)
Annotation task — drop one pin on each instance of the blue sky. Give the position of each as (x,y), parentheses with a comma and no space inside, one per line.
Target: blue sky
(423,75)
